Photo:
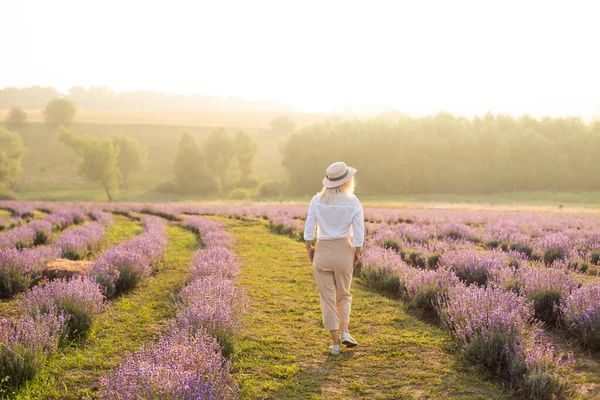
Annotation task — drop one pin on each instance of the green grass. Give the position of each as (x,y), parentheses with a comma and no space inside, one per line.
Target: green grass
(128,323)
(282,352)
(122,229)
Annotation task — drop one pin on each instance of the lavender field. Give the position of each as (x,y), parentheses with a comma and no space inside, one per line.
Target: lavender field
(218,301)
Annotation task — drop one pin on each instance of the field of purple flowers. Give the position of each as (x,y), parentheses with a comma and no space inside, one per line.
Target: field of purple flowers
(519,292)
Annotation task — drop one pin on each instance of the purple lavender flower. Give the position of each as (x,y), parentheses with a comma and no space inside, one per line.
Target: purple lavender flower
(211,233)
(215,261)
(79,243)
(179,366)
(20,269)
(25,345)
(122,267)
(581,314)
(79,300)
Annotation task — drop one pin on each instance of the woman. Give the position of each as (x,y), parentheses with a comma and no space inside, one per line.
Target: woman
(338,217)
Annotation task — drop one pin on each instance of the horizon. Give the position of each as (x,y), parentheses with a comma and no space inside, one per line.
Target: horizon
(466,58)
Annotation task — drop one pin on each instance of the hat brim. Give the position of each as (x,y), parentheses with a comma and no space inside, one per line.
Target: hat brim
(332,184)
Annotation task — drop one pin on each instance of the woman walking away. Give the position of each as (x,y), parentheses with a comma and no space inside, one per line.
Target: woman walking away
(338,217)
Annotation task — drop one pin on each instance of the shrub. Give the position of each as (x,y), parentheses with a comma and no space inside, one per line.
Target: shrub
(521,248)
(215,261)
(270,189)
(119,270)
(79,300)
(433,260)
(213,305)
(384,271)
(471,266)
(580,313)
(488,323)
(239,194)
(25,345)
(391,244)
(595,257)
(79,243)
(545,288)
(425,289)
(384,281)
(416,259)
(492,244)
(20,269)
(179,366)
(553,254)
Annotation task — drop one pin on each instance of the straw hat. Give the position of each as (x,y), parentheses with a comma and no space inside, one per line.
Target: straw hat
(337,174)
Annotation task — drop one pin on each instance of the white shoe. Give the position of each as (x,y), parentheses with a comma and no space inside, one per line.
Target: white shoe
(348,340)
(335,349)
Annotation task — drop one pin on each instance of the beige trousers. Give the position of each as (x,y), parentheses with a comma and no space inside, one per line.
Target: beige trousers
(333,263)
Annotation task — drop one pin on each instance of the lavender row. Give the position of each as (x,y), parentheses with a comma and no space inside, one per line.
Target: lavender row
(62,311)
(55,315)
(189,361)
(21,267)
(123,266)
(494,326)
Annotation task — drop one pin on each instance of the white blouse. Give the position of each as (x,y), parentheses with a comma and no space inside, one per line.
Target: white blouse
(336,221)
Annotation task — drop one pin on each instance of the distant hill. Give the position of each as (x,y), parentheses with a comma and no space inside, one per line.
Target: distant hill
(106,98)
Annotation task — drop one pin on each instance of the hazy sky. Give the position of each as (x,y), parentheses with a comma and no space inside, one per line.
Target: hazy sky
(536,57)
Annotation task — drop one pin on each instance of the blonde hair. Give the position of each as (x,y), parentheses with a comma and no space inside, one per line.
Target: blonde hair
(331,195)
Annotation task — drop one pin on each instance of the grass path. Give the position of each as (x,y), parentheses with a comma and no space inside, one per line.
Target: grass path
(128,322)
(282,352)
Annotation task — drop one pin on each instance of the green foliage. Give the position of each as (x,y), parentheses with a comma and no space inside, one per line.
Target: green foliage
(245,154)
(384,282)
(13,281)
(282,125)
(239,194)
(545,303)
(98,159)
(433,260)
(477,275)
(17,118)
(219,150)
(392,244)
(11,153)
(448,154)
(522,248)
(60,111)
(552,254)
(595,257)
(132,157)
(268,190)
(191,176)
(415,259)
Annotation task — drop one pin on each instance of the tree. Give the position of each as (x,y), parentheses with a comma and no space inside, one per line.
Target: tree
(60,111)
(132,157)
(283,125)
(245,154)
(98,159)
(190,172)
(11,152)
(17,119)
(218,151)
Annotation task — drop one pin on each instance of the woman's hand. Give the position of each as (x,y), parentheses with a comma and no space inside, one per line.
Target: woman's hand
(357,256)
(310,250)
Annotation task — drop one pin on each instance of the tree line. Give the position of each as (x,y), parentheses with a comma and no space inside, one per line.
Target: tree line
(449,154)
(106,98)
(223,162)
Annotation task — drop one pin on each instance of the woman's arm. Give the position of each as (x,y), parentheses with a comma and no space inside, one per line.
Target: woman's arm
(309,230)
(358,233)
(310,250)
